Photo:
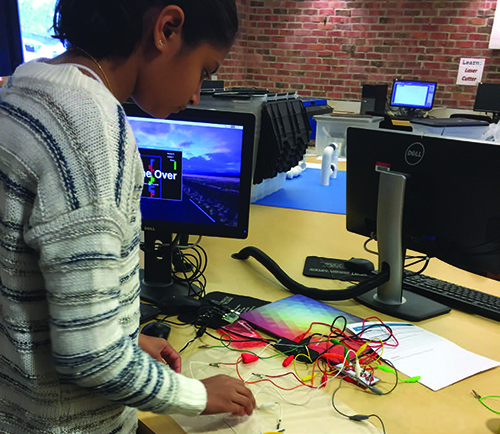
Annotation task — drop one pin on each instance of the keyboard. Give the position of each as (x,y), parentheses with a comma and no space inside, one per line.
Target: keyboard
(454,296)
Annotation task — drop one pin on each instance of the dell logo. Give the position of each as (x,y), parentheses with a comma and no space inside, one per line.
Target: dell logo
(415,153)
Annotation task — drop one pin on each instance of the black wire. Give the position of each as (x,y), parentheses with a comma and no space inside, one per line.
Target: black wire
(396,383)
(248,338)
(354,417)
(195,263)
(424,258)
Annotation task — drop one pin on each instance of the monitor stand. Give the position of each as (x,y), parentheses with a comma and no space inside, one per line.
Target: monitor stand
(390,298)
(157,279)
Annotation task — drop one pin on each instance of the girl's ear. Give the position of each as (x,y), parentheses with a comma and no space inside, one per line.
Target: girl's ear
(168,28)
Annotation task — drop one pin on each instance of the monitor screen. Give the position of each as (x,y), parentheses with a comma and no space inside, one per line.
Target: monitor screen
(11,52)
(36,29)
(413,94)
(487,98)
(449,208)
(197,175)
(197,171)
(25,33)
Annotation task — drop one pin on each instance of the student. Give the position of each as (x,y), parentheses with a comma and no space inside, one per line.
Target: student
(71,358)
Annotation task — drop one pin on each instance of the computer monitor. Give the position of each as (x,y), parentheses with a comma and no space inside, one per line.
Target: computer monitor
(430,194)
(11,48)
(26,33)
(488,99)
(413,95)
(197,181)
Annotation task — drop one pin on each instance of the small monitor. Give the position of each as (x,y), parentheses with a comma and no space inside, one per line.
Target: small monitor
(488,99)
(197,181)
(413,94)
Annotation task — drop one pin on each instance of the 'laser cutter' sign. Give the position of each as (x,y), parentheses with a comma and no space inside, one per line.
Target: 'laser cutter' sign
(470,71)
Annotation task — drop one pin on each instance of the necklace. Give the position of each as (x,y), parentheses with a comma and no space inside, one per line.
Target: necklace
(106,81)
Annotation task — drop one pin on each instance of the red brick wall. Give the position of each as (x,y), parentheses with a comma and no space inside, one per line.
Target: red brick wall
(328,49)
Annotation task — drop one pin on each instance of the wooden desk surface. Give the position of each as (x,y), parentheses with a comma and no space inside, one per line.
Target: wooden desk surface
(288,236)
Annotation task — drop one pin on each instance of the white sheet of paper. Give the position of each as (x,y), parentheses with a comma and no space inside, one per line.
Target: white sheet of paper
(296,408)
(423,353)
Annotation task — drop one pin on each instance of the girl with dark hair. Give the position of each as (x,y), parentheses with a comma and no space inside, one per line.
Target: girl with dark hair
(71,356)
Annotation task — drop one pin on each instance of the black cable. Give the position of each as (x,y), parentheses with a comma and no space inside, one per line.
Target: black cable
(319,294)
(354,417)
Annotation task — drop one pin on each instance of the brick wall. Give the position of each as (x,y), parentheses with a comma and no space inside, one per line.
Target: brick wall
(328,49)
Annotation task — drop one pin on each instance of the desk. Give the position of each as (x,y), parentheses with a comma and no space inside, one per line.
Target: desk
(288,236)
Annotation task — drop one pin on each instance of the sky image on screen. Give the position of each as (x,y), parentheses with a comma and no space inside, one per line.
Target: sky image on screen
(191,170)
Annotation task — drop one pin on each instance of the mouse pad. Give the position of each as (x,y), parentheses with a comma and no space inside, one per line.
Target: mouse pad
(328,268)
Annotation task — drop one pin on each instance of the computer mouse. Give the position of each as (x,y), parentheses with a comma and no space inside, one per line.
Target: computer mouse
(157,329)
(174,304)
(359,265)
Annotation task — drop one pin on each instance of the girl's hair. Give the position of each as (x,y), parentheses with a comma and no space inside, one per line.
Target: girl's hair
(108,28)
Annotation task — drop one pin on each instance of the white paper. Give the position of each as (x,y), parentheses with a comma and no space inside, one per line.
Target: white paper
(296,408)
(425,354)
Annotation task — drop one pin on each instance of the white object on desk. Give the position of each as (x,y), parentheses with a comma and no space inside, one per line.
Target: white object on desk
(329,163)
(299,406)
(435,359)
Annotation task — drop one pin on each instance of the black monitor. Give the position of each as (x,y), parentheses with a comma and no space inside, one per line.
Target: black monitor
(197,181)
(488,99)
(429,194)
(11,48)
(413,95)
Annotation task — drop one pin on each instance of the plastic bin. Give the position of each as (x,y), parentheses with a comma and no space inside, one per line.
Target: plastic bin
(452,127)
(315,107)
(282,132)
(333,128)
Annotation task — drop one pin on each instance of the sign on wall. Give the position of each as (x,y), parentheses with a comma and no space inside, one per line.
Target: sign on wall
(470,71)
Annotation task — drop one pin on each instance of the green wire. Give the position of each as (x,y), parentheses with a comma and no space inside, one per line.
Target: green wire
(482,398)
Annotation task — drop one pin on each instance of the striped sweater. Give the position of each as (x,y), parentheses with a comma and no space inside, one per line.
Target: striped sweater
(70,184)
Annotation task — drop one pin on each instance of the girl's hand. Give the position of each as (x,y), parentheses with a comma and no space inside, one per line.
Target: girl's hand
(161,350)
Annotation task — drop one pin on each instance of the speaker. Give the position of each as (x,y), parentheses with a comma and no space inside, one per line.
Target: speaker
(373,98)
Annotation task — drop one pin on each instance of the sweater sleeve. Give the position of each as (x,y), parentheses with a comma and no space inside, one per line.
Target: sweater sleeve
(89,277)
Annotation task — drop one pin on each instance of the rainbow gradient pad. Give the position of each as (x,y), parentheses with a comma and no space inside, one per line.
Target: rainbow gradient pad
(291,317)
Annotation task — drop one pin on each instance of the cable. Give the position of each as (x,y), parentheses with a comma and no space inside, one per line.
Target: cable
(482,398)
(319,294)
(354,417)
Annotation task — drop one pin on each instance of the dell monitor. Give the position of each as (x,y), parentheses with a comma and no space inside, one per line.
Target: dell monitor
(197,181)
(430,194)
(413,95)
(488,99)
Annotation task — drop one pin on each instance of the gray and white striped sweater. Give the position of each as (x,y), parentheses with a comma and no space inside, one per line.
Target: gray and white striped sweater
(70,182)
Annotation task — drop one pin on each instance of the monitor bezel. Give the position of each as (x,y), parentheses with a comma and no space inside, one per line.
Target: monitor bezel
(410,106)
(247,120)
